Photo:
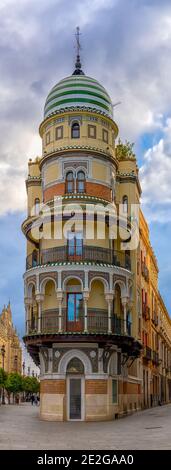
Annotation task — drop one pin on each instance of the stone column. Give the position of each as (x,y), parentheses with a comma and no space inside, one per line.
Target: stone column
(124,301)
(85,297)
(109,299)
(60,299)
(39,300)
(28,303)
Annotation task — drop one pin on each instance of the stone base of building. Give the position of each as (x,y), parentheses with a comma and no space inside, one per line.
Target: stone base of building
(86,383)
(94,401)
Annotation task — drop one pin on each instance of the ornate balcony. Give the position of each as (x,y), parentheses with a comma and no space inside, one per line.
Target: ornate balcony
(155,319)
(147,353)
(155,358)
(145,311)
(145,271)
(87,253)
(97,323)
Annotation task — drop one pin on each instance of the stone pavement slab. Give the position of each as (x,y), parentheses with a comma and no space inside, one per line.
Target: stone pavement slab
(21,428)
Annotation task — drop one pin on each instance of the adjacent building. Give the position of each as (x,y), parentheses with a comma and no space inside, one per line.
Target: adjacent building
(10,349)
(95,321)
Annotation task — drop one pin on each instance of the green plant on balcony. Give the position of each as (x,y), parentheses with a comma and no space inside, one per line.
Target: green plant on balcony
(124,151)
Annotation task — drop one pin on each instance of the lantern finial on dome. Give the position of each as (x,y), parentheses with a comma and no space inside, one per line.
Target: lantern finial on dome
(78,70)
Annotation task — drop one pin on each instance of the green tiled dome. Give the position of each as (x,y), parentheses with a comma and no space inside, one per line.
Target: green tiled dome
(78,91)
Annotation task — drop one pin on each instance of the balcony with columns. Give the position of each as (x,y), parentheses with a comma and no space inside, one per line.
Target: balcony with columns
(96,321)
(74,313)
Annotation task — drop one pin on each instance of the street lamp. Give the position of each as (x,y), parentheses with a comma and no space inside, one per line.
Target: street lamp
(23,368)
(3,358)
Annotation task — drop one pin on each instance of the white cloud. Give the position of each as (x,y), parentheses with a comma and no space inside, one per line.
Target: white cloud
(126,46)
(155,176)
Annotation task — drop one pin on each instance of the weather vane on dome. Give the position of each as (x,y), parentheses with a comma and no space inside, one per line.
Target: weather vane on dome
(78,70)
(77,35)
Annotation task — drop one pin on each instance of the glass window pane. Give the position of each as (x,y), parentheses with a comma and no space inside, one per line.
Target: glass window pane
(79,305)
(71,306)
(79,245)
(71,246)
(81,175)
(70,187)
(80,186)
(70,176)
(75,132)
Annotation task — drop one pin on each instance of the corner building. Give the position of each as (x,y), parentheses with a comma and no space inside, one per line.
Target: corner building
(82,325)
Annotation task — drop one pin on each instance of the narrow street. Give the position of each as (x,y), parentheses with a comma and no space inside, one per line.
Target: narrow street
(21,428)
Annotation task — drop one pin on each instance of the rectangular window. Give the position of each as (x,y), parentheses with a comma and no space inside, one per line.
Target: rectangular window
(47,138)
(114,391)
(91,131)
(105,136)
(59,132)
(75,244)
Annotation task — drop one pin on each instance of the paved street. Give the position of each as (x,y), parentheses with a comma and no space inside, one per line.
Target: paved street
(20,428)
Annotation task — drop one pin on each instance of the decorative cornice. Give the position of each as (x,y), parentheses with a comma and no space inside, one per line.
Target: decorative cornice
(33,181)
(78,196)
(85,148)
(128,177)
(116,270)
(73,111)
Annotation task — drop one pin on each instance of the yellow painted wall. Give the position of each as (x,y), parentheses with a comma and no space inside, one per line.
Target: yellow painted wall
(33,167)
(97,297)
(50,300)
(100,172)
(51,173)
(34,192)
(84,139)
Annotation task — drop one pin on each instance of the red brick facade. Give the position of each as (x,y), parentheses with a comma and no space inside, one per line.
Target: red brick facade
(96,387)
(53,386)
(92,189)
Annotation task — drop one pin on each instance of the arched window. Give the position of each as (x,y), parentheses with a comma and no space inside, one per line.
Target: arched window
(75,131)
(81,182)
(37,206)
(125,204)
(70,182)
(75,366)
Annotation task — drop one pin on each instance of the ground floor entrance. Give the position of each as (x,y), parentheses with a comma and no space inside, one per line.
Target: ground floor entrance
(75,397)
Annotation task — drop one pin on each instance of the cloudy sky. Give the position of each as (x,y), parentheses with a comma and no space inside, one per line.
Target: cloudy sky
(126,45)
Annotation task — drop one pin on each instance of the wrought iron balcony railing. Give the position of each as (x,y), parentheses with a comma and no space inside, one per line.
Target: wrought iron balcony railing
(97,323)
(85,253)
(147,354)
(155,357)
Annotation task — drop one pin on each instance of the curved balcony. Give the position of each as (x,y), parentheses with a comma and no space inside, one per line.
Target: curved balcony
(97,323)
(86,253)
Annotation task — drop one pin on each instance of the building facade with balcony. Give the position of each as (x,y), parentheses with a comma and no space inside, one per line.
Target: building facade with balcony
(83,286)
(155,327)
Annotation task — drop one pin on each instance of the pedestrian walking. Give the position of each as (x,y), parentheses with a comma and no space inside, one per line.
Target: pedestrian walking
(35,400)
(32,399)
